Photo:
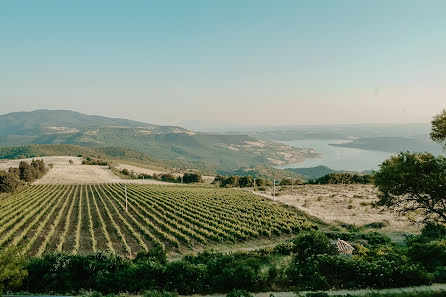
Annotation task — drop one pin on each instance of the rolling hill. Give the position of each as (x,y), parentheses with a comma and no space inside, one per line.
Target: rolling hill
(225,152)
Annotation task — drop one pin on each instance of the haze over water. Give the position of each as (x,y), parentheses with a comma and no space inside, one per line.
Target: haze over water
(339,158)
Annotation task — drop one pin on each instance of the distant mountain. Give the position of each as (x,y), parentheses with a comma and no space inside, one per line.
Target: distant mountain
(338,131)
(420,143)
(64,122)
(225,152)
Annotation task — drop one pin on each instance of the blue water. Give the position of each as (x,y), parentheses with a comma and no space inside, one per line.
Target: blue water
(339,158)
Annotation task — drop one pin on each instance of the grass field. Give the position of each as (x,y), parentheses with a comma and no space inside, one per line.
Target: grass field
(88,218)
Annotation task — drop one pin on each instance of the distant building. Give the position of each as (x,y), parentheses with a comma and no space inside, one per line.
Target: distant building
(344,248)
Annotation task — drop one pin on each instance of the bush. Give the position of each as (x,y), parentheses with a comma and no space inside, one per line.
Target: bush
(312,243)
(239,293)
(431,254)
(440,274)
(9,182)
(168,177)
(322,272)
(155,293)
(12,269)
(192,178)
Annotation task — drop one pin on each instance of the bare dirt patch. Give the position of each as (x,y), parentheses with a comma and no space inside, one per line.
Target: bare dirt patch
(337,204)
(65,173)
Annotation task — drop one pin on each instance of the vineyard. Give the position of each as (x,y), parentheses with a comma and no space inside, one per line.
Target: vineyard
(89,218)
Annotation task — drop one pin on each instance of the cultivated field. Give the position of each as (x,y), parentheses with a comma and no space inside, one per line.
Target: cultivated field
(350,204)
(87,218)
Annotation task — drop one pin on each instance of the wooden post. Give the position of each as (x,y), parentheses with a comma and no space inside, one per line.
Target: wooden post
(274,189)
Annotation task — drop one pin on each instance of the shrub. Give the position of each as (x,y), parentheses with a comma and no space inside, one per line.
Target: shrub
(168,177)
(239,293)
(12,269)
(192,178)
(312,243)
(155,293)
(9,182)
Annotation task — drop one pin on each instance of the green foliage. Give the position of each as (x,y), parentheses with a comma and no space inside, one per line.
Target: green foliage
(27,173)
(239,293)
(343,178)
(125,171)
(192,177)
(312,243)
(12,269)
(315,264)
(322,272)
(370,238)
(16,177)
(239,181)
(414,182)
(438,132)
(9,182)
(168,177)
(155,293)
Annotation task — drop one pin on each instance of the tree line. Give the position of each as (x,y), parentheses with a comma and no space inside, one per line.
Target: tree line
(332,178)
(343,178)
(240,181)
(187,178)
(15,178)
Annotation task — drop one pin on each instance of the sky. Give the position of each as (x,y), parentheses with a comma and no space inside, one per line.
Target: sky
(226,63)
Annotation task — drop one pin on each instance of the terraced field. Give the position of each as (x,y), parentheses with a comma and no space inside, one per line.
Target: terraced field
(88,218)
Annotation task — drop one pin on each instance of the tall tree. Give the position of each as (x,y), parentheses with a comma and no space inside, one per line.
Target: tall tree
(26,172)
(438,132)
(9,182)
(416,181)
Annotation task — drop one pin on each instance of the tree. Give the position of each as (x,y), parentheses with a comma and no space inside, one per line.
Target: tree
(9,182)
(192,178)
(12,269)
(26,172)
(411,182)
(246,181)
(438,132)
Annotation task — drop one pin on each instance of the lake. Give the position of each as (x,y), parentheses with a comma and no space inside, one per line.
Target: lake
(339,158)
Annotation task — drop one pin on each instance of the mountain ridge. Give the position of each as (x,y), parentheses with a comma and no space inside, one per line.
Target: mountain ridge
(226,152)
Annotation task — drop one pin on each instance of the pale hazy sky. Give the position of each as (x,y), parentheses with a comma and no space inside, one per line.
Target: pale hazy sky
(247,62)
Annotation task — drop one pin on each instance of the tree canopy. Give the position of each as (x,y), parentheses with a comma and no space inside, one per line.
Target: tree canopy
(416,181)
(438,132)
(12,269)
(413,182)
